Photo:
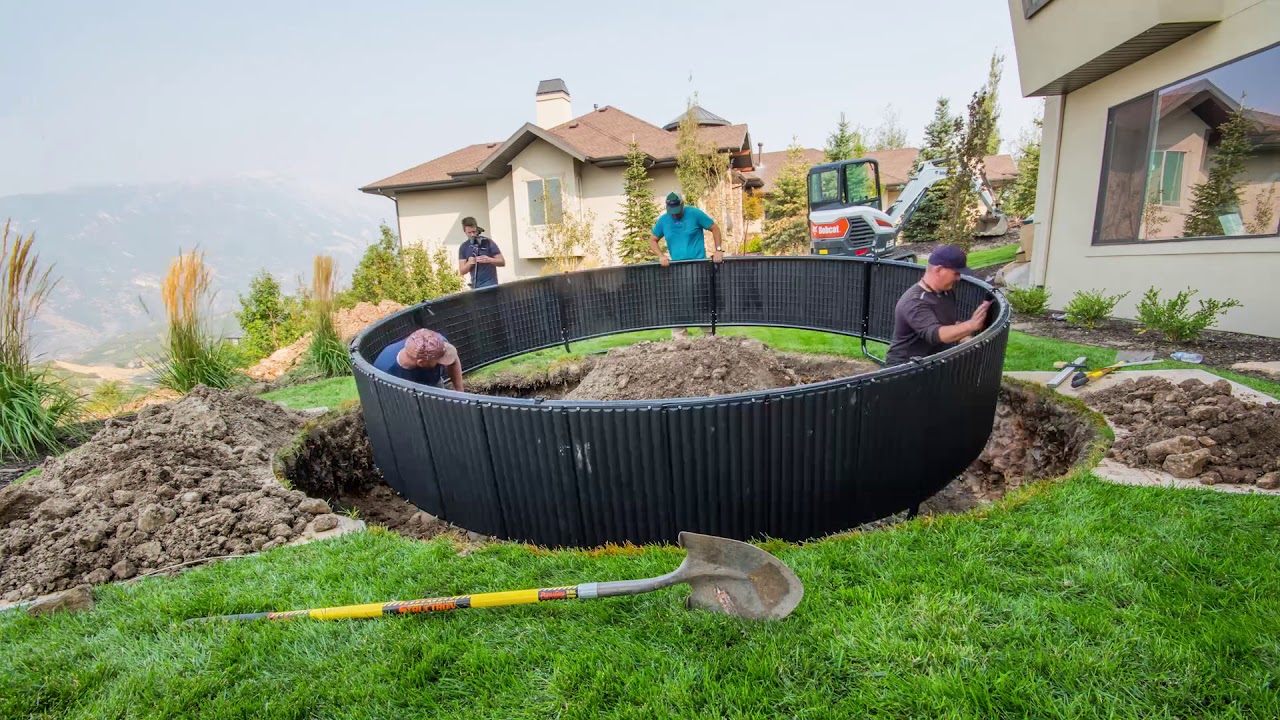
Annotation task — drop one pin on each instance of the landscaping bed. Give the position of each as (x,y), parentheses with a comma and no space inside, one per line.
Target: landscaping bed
(1220,349)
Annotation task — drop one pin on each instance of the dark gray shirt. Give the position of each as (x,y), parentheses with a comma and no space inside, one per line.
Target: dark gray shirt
(918,316)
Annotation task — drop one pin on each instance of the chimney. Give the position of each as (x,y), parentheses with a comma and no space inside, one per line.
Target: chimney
(760,154)
(553,104)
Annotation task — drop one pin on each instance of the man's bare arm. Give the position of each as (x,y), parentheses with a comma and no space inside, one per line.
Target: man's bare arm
(455,375)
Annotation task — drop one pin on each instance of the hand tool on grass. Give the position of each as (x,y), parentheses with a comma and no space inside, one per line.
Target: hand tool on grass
(727,577)
(1082,378)
(1067,369)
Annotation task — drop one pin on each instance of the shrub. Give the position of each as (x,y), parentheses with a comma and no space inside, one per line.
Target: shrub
(1174,318)
(754,245)
(36,409)
(191,355)
(327,356)
(107,398)
(1028,300)
(269,319)
(1090,307)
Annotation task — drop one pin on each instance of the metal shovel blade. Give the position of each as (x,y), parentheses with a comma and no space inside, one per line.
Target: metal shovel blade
(736,578)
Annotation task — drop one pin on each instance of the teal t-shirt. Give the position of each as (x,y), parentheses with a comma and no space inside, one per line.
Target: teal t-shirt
(684,236)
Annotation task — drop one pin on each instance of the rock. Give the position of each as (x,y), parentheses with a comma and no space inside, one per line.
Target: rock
(421,519)
(125,529)
(190,498)
(1206,441)
(325,522)
(147,551)
(1200,413)
(1270,481)
(122,498)
(1210,478)
(56,509)
(124,570)
(1221,387)
(154,517)
(280,530)
(1231,475)
(98,577)
(1266,368)
(1158,451)
(476,537)
(1187,465)
(77,599)
(313,506)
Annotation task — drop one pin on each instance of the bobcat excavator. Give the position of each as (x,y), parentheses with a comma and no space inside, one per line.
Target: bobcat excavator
(844,208)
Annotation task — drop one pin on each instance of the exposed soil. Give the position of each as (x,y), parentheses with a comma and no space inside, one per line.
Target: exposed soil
(702,367)
(1220,349)
(180,482)
(1193,430)
(347,322)
(332,459)
(12,468)
(1035,436)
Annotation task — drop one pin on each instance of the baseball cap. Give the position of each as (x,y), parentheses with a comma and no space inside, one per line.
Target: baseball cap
(950,257)
(425,346)
(673,201)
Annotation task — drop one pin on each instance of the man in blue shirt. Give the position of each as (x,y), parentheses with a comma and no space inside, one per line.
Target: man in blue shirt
(479,256)
(425,357)
(684,227)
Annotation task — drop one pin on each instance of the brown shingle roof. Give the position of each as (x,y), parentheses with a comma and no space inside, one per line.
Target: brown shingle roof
(602,133)
(895,166)
(435,171)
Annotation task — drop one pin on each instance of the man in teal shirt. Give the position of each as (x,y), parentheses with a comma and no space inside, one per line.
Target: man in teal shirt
(683,228)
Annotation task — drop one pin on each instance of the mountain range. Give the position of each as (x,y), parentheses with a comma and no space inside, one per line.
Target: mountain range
(110,247)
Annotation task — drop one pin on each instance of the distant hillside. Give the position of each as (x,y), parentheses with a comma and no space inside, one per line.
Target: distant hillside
(111,246)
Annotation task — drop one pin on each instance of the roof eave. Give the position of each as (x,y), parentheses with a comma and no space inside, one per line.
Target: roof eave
(517,143)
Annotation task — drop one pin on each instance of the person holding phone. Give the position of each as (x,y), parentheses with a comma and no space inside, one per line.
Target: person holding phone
(479,257)
(925,320)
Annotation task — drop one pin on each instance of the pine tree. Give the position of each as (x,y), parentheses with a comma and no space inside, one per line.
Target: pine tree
(380,274)
(639,210)
(939,134)
(1219,193)
(991,106)
(265,318)
(845,143)
(890,135)
(786,228)
(1021,198)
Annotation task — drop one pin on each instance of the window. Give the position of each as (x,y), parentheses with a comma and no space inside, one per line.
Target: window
(824,187)
(1199,158)
(1164,180)
(860,183)
(540,193)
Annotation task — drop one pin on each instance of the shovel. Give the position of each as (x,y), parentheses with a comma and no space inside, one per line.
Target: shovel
(727,577)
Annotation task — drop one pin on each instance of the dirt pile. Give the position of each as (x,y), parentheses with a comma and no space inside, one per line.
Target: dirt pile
(1193,430)
(1035,436)
(347,322)
(706,366)
(180,482)
(332,459)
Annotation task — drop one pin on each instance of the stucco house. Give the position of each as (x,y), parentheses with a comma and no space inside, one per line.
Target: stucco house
(578,162)
(1135,103)
(895,171)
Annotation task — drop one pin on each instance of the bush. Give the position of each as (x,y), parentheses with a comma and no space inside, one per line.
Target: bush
(1028,300)
(108,397)
(1173,317)
(1090,307)
(269,319)
(191,355)
(754,245)
(326,356)
(408,275)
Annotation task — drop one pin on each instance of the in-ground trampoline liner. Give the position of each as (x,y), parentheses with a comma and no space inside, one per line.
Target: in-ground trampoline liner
(790,463)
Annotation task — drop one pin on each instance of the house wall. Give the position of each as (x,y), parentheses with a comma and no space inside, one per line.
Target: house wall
(1244,269)
(435,217)
(539,161)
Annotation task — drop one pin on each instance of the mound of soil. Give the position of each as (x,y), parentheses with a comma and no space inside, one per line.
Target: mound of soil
(1193,430)
(701,367)
(1035,436)
(347,322)
(332,459)
(180,482)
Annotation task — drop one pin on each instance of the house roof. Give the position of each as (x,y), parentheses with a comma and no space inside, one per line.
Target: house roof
(895,166)
(1213,106)
(440,170)
(705,117)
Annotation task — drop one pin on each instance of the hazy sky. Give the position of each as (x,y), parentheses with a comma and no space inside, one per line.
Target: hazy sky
(344,93)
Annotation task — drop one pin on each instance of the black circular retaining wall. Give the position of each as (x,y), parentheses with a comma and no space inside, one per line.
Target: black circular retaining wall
(789,463)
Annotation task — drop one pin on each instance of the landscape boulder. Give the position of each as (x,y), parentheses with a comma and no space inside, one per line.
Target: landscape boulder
(1187,465)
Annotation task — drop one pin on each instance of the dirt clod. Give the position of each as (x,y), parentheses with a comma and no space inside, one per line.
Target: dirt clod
(147,493)
(1192,429)
(701,367)
(77,599)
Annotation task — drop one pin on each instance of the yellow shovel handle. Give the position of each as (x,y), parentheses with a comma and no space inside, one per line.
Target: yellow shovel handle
(406,607)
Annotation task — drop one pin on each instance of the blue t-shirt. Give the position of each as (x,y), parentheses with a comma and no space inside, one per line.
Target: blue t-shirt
(386,362)
(684,236)
(482,276)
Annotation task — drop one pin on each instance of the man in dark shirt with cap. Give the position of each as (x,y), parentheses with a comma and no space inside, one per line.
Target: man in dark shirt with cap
(925,319)
(479,256)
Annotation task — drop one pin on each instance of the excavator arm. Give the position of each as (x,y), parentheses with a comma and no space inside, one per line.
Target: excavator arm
(931,172)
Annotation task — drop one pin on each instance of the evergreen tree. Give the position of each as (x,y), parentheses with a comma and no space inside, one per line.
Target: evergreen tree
(939,134)
(845,143)
(786,228)
(964,164)
(1219,193)
(991,105)
(380,274)
(639,210)
(265,317)
(1021,198)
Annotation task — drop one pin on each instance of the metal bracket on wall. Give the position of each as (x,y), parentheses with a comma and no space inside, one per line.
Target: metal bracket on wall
(715,297)
(866,308)
(564,324)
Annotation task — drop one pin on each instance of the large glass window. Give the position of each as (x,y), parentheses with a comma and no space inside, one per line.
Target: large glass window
(824,187)
(1200,158)
(860,183)
(542,193)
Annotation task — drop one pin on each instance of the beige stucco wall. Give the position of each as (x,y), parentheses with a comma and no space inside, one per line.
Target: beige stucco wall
(430,218)
(539,161)
(1245,269)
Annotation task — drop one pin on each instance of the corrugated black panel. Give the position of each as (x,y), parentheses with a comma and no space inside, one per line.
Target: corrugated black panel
(791,463)
(533,462)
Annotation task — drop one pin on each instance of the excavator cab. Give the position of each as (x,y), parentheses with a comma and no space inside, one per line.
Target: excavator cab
(845,215)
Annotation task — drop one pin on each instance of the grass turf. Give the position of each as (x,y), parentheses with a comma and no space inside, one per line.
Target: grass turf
(323,393)
(1067,600)
(1002,255)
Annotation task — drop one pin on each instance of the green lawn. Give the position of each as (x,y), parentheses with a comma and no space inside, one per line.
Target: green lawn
(1002,255)
(1071,600)
(324,393)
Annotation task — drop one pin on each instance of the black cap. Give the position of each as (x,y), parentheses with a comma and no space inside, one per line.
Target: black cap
(950,257)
